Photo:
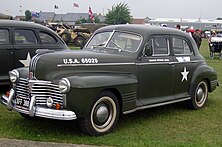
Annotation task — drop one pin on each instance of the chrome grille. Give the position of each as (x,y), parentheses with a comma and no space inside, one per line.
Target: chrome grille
(41,90)
(22,89)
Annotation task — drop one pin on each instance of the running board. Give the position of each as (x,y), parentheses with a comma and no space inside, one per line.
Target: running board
(156,105)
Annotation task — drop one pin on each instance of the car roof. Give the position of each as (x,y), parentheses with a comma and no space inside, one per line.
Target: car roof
(16,23)
(143,29)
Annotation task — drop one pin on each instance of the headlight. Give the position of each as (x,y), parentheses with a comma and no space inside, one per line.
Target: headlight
(14,76)
(64,85)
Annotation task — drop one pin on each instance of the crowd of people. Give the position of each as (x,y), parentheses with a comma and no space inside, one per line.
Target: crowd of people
(197,36)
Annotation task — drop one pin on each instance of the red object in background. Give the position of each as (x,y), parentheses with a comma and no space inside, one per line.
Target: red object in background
(190,30)
(91,15)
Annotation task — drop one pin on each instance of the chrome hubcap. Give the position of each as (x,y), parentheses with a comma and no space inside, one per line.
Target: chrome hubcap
(200,94)
(101,114)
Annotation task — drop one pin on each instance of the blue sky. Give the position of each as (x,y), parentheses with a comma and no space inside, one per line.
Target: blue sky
(206,9)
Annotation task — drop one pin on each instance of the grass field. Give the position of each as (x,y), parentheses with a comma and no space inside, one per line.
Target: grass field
(171,125)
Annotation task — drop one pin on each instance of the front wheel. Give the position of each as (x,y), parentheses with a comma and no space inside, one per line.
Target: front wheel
(66,37)
(80,41)
(103,116)
(199,96)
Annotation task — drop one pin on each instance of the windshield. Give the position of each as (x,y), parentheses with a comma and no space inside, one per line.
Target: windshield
(116,40)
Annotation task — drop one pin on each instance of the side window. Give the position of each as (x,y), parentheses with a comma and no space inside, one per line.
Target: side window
(4,36)
(180,46)
(23,36)
(160,46)
(47,38)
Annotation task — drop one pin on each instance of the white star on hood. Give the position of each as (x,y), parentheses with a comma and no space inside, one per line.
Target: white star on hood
(184,73)
(27,61)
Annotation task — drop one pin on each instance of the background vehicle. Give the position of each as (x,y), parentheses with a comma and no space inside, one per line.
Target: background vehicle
(19,41)
(76,35)
(215,47)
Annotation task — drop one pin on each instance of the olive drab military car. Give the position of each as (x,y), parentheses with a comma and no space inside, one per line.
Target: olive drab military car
(122,69)
(18,42)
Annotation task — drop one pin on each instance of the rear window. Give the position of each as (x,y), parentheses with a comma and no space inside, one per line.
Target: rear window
(47,38)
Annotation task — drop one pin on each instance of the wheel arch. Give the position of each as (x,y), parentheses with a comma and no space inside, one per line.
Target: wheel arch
(203,72)
(118,95)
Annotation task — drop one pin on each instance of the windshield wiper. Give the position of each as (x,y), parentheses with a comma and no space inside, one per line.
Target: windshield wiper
(120,49)
(98,45)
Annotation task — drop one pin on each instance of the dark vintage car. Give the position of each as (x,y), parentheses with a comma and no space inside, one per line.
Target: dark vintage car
(19,41)
(122,69)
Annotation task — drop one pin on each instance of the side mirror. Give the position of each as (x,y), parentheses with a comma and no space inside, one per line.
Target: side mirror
(148,51)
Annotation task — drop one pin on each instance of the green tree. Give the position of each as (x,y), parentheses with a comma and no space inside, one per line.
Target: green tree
(28,15)
(97,20)
(120,14)
(83,20)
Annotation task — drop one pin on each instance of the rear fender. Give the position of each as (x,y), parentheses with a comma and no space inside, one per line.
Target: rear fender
(203,72)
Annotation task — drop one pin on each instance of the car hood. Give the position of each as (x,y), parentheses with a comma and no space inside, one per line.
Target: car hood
(56,65)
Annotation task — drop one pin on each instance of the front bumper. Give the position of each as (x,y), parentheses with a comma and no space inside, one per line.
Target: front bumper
(37,110)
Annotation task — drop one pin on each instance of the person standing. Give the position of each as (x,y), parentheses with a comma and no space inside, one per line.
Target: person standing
(178,27)
(197,38)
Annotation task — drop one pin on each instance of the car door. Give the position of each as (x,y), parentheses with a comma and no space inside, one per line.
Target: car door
(156,74)
(185,63)
(25,45)
(6,54)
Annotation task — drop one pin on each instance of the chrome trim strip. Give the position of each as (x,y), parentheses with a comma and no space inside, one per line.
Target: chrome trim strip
(129,63)
(99,64)
(154,63)
(156,105)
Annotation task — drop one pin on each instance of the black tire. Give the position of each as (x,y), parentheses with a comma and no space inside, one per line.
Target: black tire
(103,116)
(80,41)
(66,37)
(199,95)
(26,116)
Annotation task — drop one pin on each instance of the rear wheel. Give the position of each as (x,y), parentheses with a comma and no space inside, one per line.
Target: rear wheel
(199,95)
(103,116)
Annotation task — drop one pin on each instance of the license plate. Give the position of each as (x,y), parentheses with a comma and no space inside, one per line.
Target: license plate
(22,102)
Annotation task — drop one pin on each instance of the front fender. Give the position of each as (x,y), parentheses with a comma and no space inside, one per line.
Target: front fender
(84,90)
(94,81)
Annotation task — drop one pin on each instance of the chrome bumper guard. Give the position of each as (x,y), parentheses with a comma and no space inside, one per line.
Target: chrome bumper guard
(38,111)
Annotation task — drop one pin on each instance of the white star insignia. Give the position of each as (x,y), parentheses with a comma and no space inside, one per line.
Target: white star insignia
(27,61)
(184,73)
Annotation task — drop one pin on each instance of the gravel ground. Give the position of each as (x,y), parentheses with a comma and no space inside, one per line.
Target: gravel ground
(25,143)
